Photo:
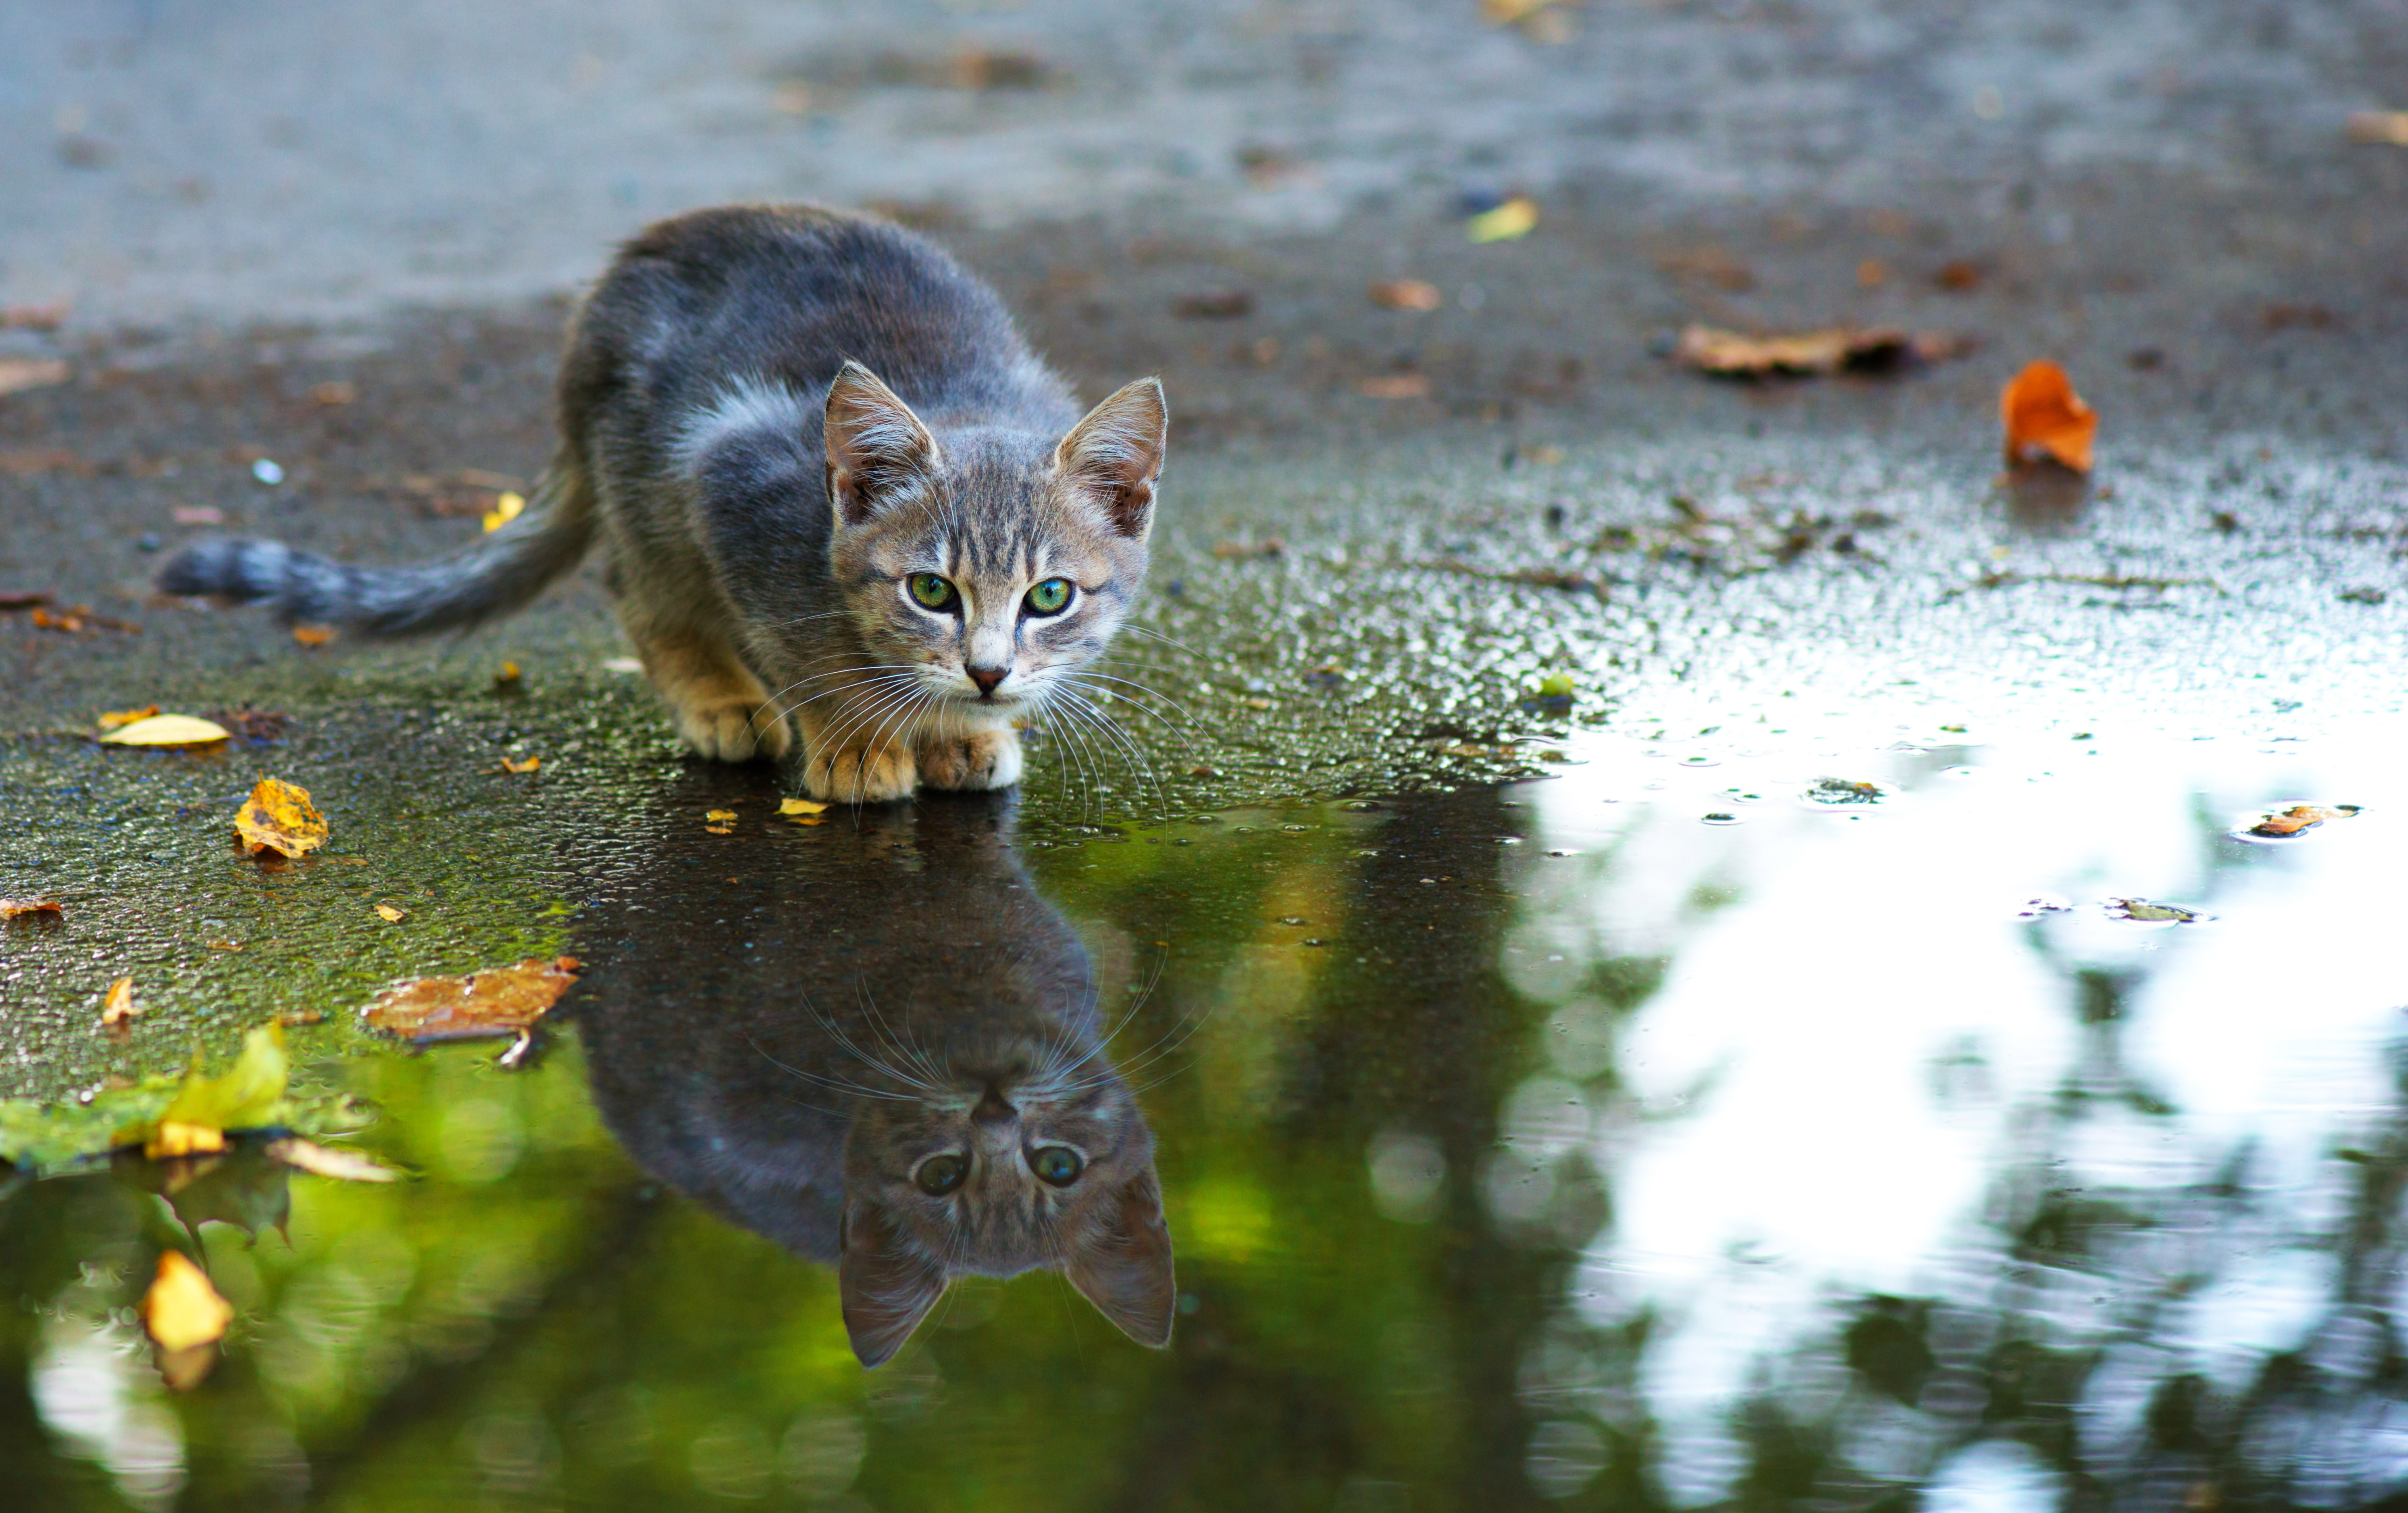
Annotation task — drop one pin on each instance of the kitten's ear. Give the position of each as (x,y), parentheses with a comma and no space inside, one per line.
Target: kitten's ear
(1123,1268)
(1117,452)
(877,451)
(887,1286)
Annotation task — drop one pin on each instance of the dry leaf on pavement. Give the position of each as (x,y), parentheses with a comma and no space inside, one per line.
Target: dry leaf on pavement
(1406,294)
(502,1000)
(182,1310)
(1838,348)
(167,729)
(325,1161)
(17,908)
(2045,419)
(278,817)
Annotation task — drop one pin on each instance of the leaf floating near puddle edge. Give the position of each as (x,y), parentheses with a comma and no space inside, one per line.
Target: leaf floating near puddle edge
(326,1161)
(279,817)
(2297,821)
(502,1000)
(802,811)
(168,730)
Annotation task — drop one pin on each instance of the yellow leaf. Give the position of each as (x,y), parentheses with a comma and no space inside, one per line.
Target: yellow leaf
(503,1000)
(323,1161)
(800,805)
(721,815)
(527,765)
(126,717)
(11,909)
(174,1137)
(510,673)
(313,636)
(504,511)
(1515,217)
(119,1006)
(182,1309)
(391,915)
(167,729)
(279,817)
(719,830)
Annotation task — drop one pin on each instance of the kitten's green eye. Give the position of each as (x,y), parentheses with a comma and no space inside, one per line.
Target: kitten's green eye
(939,1174)
(929,592)
(1056,1165)
(1048,597)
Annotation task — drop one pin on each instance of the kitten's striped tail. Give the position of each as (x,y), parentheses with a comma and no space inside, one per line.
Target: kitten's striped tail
(490,577)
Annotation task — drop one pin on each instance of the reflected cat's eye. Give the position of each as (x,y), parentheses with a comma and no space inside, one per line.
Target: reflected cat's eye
(1058,1165)
(1050,597)
(930,591)
(939,1174)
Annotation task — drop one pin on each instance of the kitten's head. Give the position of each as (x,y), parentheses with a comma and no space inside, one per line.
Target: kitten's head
(1027,1154)
(984,568)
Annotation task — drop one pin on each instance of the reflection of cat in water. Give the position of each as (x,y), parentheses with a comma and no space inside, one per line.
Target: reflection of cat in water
(899,1071)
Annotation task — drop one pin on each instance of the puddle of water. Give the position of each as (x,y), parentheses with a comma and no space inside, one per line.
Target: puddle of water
(1547,1146)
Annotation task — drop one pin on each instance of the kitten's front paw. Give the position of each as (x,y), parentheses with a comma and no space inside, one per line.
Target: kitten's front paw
(990,759)
(733,730)
(860,774)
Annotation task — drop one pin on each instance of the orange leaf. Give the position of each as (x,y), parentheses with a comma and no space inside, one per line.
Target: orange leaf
(279,817)
(527,765)
(11,909)
(126,717)
(118,1007)
(2045,418)
(313,634)
(502,1000)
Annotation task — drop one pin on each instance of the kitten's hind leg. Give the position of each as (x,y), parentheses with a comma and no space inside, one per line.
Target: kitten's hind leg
(723,710)
(982,759)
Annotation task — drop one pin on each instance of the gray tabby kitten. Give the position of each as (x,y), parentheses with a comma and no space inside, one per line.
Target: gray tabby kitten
(914,558)
(903,1074)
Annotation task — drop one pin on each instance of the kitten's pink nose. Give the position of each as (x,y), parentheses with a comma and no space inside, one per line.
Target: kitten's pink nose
(987,678)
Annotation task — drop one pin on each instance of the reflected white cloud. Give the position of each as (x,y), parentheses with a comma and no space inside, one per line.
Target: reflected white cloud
(95,1389)
(1855,1037)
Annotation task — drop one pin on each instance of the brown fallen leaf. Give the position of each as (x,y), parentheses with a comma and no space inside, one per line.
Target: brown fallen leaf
(112,719)
(1956,278)
(1406,294)
(390,915)
(175,1137)
(2299,819)
(48,316)
(167,729)
(18,908)
(278,817)
(1269,546)
(67,622)
(1872,273)
(521,766)
(1731,354)
(18,373)
(313,636)
(2044,417)
(24,598)
(222,945)
(502,1000)
(324,1160)
(182,1309)
(1214,304)
(333,392)
(2385,127)
(1394,386)
(198,515)
(117,1009)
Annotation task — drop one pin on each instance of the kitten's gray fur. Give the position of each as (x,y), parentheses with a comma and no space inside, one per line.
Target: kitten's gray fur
(904,992)
(763,497)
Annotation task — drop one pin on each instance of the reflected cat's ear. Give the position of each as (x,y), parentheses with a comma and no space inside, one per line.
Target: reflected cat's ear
(1123,1268)
(878,454)
(1117,451)
(887,1286)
